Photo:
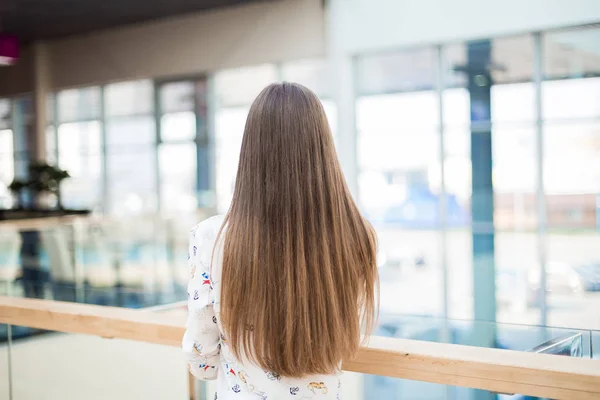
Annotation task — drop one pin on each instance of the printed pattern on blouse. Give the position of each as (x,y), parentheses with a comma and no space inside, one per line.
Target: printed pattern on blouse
(206,348)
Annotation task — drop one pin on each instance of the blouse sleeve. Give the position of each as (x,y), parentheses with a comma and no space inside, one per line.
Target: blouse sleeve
(201,339)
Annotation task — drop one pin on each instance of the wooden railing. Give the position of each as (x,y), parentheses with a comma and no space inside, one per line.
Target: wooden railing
(503,371)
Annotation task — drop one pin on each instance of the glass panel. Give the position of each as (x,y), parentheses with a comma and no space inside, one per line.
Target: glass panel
(131,177)
(398,158)
(394,112)
(177,96)
(79,148)
(229,130)
(178,126)
(126,262)
(570,99)
(511,60)
(504,113)
(572,53)
(51,145)
(456,109)
(131,165)
(571,108)
(595,345)
(239,87)
(6,156)
(572,184)
(129,132)
(314,74)
(178,177)
(129,98)
(78,104)
(513,103)
(572,166)
(398,72)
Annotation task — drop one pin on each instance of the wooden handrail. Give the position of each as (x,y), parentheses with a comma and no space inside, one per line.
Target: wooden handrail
(41,223)
(505,371)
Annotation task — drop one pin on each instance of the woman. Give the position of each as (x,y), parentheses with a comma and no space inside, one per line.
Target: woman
(282,285)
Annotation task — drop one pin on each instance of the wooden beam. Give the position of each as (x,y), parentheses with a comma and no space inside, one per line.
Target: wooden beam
(41,223)
(504,371)
(108,322)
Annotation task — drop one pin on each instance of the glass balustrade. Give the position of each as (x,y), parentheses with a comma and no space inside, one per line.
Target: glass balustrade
(73,366)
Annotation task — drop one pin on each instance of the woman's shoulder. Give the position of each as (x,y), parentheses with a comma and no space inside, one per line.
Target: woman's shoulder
(207,230)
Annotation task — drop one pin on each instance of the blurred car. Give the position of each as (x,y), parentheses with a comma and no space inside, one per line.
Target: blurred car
(589,275)
(408,259)
(560,278)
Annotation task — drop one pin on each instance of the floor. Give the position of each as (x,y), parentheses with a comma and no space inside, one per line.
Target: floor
(75,367)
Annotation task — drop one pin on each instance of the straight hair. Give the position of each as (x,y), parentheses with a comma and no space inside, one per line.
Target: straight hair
(299,279)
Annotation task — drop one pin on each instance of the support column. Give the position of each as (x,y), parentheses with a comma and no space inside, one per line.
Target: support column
(204,183)
(482,201)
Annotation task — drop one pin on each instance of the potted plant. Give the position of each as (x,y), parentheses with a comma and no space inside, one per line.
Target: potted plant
(16,187)
(46,179)
(43,179)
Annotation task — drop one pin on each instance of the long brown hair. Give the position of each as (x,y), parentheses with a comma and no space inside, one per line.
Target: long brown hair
(299,260)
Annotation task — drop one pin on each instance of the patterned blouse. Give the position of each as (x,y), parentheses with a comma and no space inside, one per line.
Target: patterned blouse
(205,346)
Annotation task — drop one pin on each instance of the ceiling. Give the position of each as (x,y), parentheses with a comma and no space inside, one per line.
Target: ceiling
(47,19)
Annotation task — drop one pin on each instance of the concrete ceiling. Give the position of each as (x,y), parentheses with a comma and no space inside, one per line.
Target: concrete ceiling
(47,19)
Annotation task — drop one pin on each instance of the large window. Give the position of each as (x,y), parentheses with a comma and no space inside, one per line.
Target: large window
(131,180)
(571,167)
(397,116)
(183,117)
(489,175)
(79,144)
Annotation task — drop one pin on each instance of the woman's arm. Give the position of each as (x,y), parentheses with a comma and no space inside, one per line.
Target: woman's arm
(201,339)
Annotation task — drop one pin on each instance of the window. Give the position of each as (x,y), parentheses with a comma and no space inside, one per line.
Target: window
(131,161)
(76,139)
(397,119)
(184,182)
(131,165)
(571,164)
(79,104)
(80,153)
(129,98)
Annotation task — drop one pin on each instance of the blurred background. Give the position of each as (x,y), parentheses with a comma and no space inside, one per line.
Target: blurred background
(468,130)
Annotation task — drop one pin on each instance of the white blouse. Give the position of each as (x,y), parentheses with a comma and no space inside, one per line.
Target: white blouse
(205,346)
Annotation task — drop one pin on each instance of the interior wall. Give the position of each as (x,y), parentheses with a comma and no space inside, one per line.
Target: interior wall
(269,31)
(371,25)
(18,79)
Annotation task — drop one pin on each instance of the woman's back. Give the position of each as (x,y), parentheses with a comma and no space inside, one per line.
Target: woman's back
(294,261)
(210,358)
